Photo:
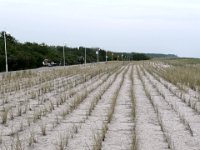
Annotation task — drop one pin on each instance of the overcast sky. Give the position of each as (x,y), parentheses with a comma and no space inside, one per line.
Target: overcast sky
(151,26)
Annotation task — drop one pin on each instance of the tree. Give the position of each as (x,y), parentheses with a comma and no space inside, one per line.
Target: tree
(140,56)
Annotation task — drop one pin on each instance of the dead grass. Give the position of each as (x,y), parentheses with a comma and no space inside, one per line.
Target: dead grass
(4,115)
(32,138)
(133,99)
(179,74)
(43,128)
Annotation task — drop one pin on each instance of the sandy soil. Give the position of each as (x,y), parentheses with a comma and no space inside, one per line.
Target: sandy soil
(92,107)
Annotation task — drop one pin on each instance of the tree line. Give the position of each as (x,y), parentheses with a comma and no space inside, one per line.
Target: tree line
(31,55)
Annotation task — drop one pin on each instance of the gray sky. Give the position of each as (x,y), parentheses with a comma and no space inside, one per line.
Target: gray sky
(151,26)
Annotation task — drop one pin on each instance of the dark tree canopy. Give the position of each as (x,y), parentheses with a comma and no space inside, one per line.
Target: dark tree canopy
(31,55)
(139,56)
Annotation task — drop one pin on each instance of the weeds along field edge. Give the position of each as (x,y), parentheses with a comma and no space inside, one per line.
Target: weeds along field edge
(181,73)
(187,95)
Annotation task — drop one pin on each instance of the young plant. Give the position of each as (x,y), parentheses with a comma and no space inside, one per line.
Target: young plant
(97,141)
(21,126)
(18,144)
(1,138)
(62,142)
(4,115)
(43,129)
(11,114)
(32,138)
(28,121)
(19,111)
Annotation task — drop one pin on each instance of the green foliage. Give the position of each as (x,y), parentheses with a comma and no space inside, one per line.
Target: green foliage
(140,56)
(152,55)
(31,55)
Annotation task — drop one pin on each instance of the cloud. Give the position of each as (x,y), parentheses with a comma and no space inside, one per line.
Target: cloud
(113,24)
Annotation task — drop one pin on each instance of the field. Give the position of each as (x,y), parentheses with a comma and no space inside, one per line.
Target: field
(149,105)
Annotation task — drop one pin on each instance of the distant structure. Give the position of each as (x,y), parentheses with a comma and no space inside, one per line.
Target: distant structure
(48,63)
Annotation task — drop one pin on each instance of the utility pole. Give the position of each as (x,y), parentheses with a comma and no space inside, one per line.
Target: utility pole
(6,51)
(64,55)
(97,53)
(106,56)
(85,56)
(112,56)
